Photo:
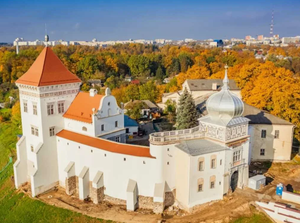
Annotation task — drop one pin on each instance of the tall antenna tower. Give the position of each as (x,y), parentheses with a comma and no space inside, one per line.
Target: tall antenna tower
(272,24)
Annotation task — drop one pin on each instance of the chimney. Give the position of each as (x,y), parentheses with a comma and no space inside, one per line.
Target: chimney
(93,92)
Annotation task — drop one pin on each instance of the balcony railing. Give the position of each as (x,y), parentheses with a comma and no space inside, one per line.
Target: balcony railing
(177,135)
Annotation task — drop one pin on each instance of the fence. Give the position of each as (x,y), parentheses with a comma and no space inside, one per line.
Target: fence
(6,170)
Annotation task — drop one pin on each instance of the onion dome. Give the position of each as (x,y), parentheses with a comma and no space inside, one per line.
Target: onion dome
(224,104)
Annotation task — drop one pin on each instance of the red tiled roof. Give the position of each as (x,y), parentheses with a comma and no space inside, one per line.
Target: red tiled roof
(81,109)
(107,145)
(46,70)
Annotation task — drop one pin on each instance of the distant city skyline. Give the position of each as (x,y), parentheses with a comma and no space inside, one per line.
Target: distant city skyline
(121,20)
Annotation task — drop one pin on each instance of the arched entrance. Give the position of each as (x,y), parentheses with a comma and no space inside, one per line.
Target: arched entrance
(234,180)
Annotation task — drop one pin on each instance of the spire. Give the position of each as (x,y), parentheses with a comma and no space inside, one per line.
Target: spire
(225,80)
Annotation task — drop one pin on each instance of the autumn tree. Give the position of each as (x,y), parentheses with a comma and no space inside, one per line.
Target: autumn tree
(170,111)
(134,109)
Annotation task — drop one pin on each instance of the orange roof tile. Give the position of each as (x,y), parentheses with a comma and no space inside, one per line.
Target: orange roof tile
(81,107)
(46,70)
(107,145)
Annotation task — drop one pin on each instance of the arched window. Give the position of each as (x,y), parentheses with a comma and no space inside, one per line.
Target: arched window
(84,128)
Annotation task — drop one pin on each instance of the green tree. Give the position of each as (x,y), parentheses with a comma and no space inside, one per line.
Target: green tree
(139,65)
(159,74)
(187,116)
(112,82)
(148,91)
(134,109)
(87,67)
(170,110)
(185,62)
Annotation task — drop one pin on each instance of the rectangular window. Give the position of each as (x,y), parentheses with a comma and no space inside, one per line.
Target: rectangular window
(201,166)
(52,131)
(50,109)
(117,139)
(102,127)
(61,107)
(262,152)
(236,156)
(34,107)
(220,162)
(212,184)
(276,134)
(25,107)
(200,187)
(213,163)
(34,131)
(116,123)
(263,133)
(127,130)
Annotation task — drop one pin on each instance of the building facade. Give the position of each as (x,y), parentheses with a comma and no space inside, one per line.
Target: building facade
(75,140)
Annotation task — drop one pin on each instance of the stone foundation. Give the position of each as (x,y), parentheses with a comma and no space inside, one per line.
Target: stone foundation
(169,199)
(97,195)
(114,200)
(158,207)
(145,202)
(71,185)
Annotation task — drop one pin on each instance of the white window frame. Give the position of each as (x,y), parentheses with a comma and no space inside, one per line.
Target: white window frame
(61,107)
(261,133)
(50,107)
(276,136)
(52,131)
(201,167)
(34,131)
(25,106)
(262,150)
(118,139)
(200,190)
(116,124)
(102,128)
(236,156)
(213,163)
(34,109)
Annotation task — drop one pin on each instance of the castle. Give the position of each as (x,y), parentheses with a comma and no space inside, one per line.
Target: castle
(77,140)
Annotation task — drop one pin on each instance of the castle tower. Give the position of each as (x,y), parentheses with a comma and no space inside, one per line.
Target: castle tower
(46,91)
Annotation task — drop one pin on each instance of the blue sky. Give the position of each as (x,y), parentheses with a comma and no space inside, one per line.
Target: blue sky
(143,19)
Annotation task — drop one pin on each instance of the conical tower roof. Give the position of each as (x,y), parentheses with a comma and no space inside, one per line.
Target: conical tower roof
(46,70)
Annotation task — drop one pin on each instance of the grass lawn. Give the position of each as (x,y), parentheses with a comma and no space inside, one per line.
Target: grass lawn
(256,218)
(17,207)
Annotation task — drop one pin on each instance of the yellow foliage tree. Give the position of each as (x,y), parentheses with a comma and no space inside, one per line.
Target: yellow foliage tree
(195,72)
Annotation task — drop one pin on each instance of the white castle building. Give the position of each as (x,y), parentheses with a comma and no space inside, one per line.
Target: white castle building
(75,140)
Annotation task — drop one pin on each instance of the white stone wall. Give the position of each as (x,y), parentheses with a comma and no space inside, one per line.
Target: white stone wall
(275,149)
(207,194)
(116,171)
(41,149)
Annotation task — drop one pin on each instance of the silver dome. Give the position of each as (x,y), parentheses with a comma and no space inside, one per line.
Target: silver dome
(224,104)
